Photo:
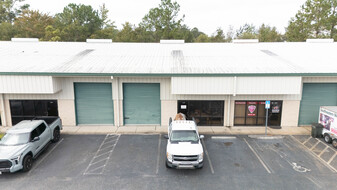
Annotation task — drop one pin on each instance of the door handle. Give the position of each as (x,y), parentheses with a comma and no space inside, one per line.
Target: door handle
(126,118)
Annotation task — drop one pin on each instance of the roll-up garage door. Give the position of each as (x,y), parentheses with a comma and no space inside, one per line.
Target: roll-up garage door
(315,95)
(94,104)
(141,103)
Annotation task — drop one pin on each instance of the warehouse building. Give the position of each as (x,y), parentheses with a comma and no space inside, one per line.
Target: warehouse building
(121,84)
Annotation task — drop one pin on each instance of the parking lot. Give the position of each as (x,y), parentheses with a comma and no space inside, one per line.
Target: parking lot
(138,162)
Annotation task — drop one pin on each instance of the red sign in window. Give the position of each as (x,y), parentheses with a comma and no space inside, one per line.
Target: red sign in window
(240,102)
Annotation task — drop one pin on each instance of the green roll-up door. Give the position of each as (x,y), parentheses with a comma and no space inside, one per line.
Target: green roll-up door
(315,95)
(141,103)
(94,104)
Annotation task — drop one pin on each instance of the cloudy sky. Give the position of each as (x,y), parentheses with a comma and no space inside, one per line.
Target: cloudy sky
(207,16)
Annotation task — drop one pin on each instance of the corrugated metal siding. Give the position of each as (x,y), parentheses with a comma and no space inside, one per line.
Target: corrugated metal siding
(202,85)
(141,103)
(314,96)
(268,85)
(155,58)
(67,91)
(319,79)
(94,103)
(27,84)
(242,85)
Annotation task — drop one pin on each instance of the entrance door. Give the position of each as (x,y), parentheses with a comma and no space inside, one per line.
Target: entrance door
(274,113)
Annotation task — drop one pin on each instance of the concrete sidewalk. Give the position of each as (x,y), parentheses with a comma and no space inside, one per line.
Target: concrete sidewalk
(81,130)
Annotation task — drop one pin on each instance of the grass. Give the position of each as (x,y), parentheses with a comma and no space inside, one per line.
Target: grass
(1,134)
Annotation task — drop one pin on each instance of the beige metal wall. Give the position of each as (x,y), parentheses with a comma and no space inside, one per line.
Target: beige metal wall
(66,105)
(28,84)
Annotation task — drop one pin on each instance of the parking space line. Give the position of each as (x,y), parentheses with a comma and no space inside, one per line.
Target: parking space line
(332,158)
(258,157)
(320,154)
(42,159)
(332,169)
(158,154)
(314,182)
(306,140)
(315,145)
(92,171)
(208,158)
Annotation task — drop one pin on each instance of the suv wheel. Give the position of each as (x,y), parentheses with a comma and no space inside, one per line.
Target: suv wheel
(27,163)
(56,135)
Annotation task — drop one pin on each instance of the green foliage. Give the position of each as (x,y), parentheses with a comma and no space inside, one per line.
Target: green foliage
(269,34)
(219,36)
(32,24)
(202,38)
(7,31)
(163,20)
(315,19)
(127,34)
(9,10)
(52,34)
(246,31)
(78,22)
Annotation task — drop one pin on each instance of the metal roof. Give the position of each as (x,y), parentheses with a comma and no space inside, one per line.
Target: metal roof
(72,58)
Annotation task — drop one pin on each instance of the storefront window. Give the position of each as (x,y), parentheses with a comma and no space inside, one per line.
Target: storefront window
(254,113)
(205,113)
(28,109)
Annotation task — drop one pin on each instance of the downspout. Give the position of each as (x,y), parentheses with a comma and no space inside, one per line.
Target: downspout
(118,123)
(228,110)
(3,118)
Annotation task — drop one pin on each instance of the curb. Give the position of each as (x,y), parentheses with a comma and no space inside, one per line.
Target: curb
(263,137)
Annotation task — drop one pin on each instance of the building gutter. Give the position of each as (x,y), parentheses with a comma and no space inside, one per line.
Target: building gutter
(3,113)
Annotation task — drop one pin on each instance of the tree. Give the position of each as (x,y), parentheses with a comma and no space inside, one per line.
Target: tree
(78,22)
(32,24)
(269,34)
(219,36)
(202,38)
(7,31)
(246,31)
(9,10)
(127,34)
(163,20)
(315,19)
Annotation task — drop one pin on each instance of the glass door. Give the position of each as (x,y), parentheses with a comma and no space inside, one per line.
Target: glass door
(274,113)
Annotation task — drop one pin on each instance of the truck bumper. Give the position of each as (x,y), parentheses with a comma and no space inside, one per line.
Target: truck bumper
(185,165)
(13,168)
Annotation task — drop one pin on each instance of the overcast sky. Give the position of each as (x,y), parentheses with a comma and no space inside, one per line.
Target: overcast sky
(207,16)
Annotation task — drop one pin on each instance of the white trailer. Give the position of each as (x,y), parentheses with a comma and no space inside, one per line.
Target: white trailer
(328,118)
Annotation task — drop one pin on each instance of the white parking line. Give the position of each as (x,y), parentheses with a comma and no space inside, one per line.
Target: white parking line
(208,158)
(258,157)
(158,154)
(333,157)
(315,145)
(223,137)
(42,159)
(326,148)
(332,169)
(92,169)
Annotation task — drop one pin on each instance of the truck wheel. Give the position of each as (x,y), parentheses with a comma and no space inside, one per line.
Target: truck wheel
(27,163)
(56,135)
(334,143)
(327,138)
